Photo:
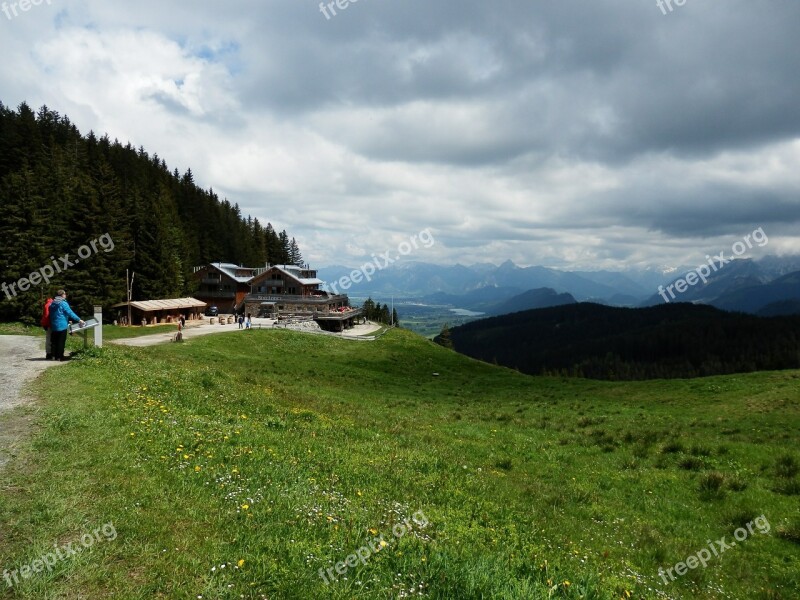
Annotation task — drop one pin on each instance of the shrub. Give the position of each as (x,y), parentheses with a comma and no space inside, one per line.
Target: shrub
(690,463)
(506,464)
(790,532)
(700,451)
(672,447)
(711,485)
(788,487)
(786,466)
(737,484)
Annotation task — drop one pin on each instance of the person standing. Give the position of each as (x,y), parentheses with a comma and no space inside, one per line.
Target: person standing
(60,316)
(45,323)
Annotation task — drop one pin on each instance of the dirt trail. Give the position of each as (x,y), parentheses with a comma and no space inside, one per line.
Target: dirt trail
(23,360)
(190,332)
(193,331)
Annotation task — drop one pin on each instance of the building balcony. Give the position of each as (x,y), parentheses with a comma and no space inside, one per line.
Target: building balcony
(216,294)
(334,315)
(295,298)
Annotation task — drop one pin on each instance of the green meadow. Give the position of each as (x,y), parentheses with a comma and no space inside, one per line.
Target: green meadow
(244,466)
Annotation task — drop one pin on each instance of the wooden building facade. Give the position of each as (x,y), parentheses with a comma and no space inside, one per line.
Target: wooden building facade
(154,312)
(223,285)
(274,291)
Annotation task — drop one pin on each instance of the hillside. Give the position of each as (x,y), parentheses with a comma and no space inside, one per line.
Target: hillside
(482,299)
(780,308)
(743,285)
(61,190)
(532,299)
(753,299)
(667,341)
(501,301)
(241,465)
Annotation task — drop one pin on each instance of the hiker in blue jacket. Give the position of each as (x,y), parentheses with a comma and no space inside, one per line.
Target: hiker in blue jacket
(60,316)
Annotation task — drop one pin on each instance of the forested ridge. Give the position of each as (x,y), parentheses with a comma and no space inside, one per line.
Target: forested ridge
(61,189)
(676,340)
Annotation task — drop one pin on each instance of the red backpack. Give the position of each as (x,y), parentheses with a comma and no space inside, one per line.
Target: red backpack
(45,322)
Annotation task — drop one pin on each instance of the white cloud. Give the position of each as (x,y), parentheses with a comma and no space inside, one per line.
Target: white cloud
(555,133)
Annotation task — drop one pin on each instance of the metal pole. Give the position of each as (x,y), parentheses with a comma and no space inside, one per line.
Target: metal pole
(128,293)
(98,331)
(130,296)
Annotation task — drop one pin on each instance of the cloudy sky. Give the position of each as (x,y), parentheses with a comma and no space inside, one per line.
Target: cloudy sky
(568,133)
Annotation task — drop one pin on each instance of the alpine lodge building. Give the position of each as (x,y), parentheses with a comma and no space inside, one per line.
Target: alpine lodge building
(277,292)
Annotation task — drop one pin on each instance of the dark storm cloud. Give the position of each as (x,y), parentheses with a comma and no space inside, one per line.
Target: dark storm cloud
(602,80)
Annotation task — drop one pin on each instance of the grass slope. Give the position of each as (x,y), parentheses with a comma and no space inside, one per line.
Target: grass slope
(239,466)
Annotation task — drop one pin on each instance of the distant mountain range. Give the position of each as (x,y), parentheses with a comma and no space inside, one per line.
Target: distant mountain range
(767,286)
(743,286)
(418,279)
(759,297)
(501,301)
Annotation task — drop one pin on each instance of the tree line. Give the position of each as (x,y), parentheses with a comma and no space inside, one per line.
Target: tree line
(61,189)
(380,314)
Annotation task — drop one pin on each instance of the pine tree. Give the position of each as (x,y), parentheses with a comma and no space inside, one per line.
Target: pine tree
(284,247)
(444,339)
(295,257)
(61,190)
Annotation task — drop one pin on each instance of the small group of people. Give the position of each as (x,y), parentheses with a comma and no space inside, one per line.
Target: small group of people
(56,318)
(245,323)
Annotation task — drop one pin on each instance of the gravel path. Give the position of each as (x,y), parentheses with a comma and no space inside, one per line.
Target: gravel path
(193,331)
(23,360)
(190,332)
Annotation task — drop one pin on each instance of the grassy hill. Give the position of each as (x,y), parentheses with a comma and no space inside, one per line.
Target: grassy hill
(239,466)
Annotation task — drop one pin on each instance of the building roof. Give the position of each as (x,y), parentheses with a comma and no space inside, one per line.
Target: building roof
(295,271)
(154,305)
(230,270)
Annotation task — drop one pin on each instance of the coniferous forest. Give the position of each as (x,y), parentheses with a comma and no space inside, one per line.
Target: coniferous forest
(378,313)
(60,190)
(668,341)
